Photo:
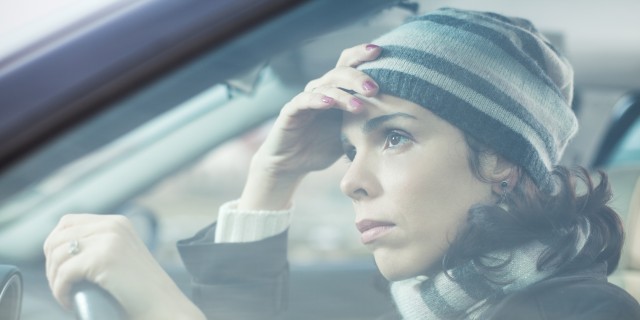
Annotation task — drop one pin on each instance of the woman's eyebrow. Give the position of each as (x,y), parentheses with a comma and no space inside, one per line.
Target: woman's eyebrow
(374,123)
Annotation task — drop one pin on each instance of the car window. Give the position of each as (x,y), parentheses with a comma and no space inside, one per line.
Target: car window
(628,150)
(619,143)
(119,169)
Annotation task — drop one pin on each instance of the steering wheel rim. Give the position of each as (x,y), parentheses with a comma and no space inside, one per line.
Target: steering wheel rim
(92,302)
(10,292)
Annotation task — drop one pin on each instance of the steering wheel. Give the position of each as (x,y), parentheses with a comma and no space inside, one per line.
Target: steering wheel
(10,292)
(91,302)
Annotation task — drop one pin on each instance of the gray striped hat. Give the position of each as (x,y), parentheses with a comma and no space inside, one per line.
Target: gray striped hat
(494,77)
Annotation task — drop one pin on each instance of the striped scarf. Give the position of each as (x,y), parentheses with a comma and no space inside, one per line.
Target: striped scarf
(465,293)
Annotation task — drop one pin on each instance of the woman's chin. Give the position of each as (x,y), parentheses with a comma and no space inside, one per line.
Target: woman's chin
(394,271)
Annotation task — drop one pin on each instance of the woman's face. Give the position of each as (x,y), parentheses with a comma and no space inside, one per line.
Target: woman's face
(410,182)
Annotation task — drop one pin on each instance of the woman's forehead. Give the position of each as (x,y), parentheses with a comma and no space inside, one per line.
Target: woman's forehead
(384,107)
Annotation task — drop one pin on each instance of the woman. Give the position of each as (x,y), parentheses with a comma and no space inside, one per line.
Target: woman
(454,124)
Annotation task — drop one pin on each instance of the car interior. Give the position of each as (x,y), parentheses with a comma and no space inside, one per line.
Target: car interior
(152,109)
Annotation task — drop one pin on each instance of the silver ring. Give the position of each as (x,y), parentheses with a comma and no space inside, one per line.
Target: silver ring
(74,247)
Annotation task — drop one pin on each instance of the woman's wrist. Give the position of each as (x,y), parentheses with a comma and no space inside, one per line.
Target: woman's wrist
(267,187)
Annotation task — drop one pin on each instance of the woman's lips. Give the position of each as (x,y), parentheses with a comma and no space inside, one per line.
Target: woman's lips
(370,230)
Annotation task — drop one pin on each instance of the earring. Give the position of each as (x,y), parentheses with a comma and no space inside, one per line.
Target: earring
(504,186)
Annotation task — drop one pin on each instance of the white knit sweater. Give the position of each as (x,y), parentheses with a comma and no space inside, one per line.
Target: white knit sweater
(243,226)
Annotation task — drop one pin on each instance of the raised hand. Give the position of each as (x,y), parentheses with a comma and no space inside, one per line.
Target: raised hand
(306,134)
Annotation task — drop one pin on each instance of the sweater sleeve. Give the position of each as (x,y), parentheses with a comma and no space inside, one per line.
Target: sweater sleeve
(244,226)
(245,274)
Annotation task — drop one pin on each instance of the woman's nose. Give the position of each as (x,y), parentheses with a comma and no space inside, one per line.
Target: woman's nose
(358,182)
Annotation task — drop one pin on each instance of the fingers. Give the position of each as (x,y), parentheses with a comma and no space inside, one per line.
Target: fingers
(344,75)
(75,226)
(322,98)
(355,56)
(346,78)
(335,89)
(112,256)
(67,272)
(343,99)
(66,266)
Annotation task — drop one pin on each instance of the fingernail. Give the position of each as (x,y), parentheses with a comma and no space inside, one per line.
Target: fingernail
(369,86)
(327,100)
(371,47)
(356,104)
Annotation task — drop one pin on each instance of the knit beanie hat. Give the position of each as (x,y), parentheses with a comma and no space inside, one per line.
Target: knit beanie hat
(494,77)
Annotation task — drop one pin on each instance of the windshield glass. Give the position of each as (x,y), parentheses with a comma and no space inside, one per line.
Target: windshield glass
(174,155)
(191,110)
(25,23)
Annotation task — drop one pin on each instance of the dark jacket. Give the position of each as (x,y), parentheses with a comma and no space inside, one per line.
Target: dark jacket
(239,281)
(579,295)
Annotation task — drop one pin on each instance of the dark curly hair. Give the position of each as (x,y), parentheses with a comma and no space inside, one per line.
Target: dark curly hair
(553,219)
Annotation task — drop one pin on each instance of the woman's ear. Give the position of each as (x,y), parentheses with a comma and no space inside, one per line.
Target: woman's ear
(502,173)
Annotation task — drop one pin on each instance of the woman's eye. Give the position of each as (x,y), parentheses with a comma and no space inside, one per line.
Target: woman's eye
(395,138)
